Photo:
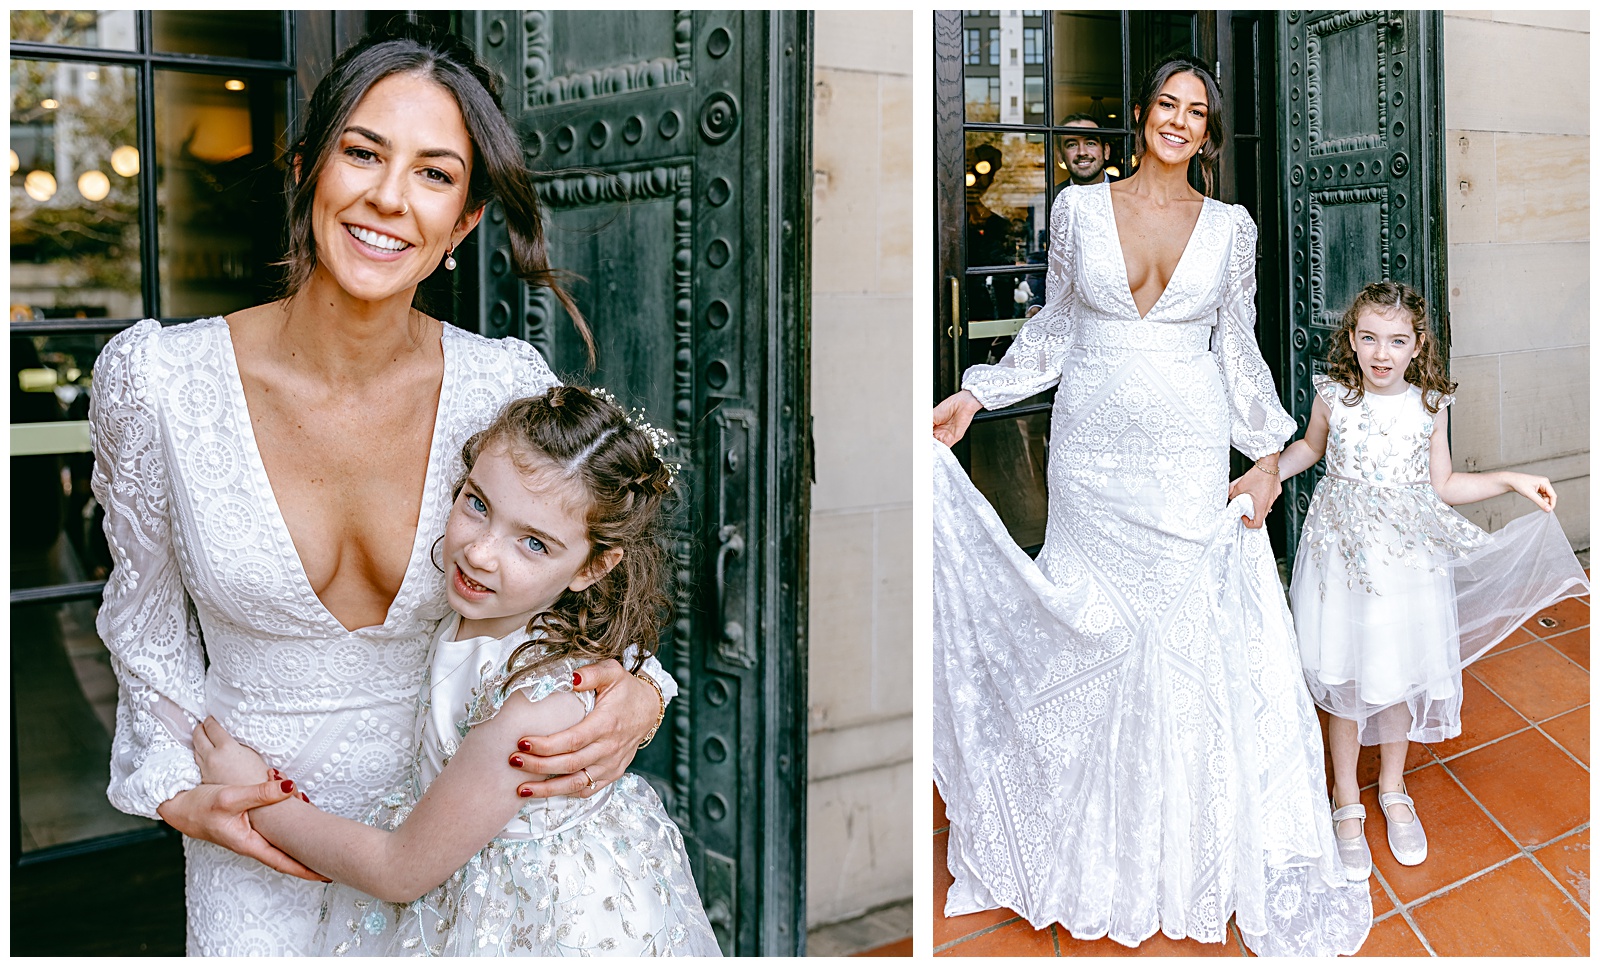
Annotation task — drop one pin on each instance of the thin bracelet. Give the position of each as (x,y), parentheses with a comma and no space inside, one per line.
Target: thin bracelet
(660,716)
(1273,471)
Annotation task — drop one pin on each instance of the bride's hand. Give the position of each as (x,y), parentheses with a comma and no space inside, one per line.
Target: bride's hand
(604,743)
(952,417)
(221,815)
(1262,487)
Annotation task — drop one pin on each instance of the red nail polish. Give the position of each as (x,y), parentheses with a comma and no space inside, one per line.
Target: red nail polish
(306,798)
(525,793)
(287,785)
(577,679)
(525,745)
(516,762)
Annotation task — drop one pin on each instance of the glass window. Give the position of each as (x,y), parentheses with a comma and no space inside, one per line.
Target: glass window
(106,29)
(1087,72)
(74,191)
(994,47)
(220,189)
(1032,45)
(250,34)
(89,256)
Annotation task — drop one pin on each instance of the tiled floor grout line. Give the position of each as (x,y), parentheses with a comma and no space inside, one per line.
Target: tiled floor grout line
(1422,938)
(1558,884)
(1521,849)
(1579,762)
(982,931)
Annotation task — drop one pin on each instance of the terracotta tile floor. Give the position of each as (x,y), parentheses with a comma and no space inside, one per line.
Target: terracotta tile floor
(1507,811)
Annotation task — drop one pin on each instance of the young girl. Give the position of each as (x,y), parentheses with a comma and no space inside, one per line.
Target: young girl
(552,561)
(1394,592)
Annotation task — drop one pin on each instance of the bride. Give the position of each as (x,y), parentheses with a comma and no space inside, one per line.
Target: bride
(1121,733)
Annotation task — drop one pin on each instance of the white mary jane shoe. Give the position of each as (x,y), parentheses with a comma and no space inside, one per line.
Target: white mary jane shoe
(1353,853)
(1407,841)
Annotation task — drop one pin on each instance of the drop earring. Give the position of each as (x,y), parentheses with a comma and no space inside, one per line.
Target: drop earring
(450,259)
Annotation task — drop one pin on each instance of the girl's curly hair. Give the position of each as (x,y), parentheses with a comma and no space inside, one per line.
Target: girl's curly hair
(589,442)
(1427,368)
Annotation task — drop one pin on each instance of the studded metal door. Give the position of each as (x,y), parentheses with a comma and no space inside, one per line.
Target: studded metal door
(1361,136)
(673,155)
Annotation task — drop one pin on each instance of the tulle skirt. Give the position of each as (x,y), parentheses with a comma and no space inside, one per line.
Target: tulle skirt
(1383,643)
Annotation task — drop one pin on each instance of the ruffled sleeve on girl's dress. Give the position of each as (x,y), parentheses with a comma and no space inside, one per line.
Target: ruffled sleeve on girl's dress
(1033,362)
(145,619)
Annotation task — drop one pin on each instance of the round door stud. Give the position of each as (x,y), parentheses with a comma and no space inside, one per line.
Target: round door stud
(719,117)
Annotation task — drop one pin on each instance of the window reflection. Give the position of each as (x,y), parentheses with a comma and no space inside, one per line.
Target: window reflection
(107,29)
(74,192)
(1006,219)
(221,191)
(1004,61)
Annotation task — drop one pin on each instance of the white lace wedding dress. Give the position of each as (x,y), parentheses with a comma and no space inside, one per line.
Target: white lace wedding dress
(205,571)
(1122,735)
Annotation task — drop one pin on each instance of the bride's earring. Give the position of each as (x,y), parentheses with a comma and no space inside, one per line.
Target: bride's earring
(450,259)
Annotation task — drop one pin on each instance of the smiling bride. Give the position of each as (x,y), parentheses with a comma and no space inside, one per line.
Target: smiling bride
(273,482)
(1121,732)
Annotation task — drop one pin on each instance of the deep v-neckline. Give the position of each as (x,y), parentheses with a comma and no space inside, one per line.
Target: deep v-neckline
(258,466)
(1122,258)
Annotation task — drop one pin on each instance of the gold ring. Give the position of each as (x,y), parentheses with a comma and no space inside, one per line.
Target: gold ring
(588,777)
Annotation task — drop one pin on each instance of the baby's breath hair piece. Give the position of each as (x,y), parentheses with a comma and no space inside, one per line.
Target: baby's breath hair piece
(659,439)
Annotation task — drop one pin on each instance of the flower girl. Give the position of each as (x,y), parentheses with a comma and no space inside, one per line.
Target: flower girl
(1393,592)
(552,561)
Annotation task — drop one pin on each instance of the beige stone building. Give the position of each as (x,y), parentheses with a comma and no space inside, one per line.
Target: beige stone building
(858,859)
(1516,108)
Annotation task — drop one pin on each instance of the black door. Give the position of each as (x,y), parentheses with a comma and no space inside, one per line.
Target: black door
(673,155)
(1361,121)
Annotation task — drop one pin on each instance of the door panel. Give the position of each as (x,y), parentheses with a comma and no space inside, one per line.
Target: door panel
(672,155)
(1360,116)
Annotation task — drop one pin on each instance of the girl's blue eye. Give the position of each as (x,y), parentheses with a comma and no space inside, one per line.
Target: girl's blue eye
(534,544)
(477,505)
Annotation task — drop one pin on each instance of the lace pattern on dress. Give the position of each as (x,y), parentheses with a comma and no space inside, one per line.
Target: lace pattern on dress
(200,551)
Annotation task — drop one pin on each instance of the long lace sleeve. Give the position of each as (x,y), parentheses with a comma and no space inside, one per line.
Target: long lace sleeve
(145,619)
(534,376)
(1033,363)
(1260,425)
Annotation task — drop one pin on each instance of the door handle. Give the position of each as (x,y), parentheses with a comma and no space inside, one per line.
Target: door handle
(732,545)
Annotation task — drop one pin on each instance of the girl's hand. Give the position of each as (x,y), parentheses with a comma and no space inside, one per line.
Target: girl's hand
(952,417)
(221,815)
(1535,488)
(1262,487)
(604,743)
(222,760)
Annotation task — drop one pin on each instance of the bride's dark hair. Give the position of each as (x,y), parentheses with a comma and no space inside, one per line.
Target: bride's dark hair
(1156,79)
(498,171)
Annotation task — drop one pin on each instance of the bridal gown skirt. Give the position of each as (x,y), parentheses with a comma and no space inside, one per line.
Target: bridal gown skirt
(1122,734)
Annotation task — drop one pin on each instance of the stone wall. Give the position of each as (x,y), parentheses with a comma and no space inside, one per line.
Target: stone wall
(1516,105)
(858,846)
